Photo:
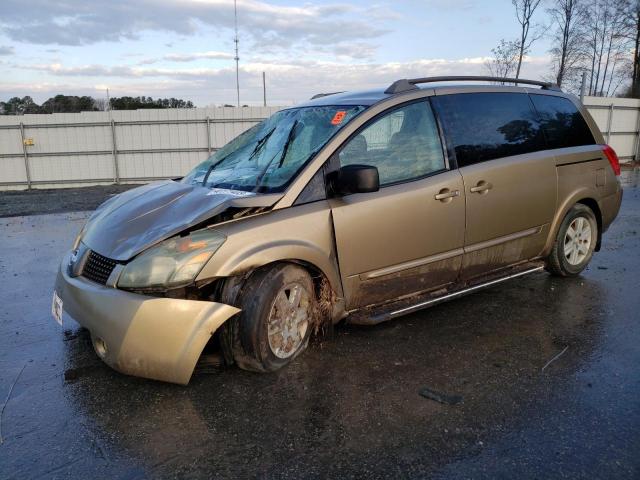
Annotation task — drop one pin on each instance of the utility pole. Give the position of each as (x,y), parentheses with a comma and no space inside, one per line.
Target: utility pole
(264,89)
(108,101)
(236,58)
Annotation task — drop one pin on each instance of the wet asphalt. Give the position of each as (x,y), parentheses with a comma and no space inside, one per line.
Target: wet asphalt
(350,407)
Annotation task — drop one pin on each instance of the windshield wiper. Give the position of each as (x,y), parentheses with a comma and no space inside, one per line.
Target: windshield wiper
(210,169)
(257,148)
(261,143)
(290,138)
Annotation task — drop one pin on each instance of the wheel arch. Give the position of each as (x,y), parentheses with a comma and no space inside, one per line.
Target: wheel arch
(595,208)
(321,266)
(584,197)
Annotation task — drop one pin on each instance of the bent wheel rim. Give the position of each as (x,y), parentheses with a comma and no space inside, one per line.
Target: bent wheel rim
(288,320)
(577,241)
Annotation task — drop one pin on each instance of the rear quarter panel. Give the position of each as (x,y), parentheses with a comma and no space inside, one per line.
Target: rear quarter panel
(584,173)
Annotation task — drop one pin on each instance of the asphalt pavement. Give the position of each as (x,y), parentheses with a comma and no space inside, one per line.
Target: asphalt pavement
(538,377)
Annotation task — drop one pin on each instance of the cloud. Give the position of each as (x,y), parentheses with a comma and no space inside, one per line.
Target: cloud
(187,57)
(354,50)
(83,22)
(4,50)
(293,81)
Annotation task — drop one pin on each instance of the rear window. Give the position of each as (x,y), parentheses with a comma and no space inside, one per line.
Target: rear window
(562,122)
(485,126)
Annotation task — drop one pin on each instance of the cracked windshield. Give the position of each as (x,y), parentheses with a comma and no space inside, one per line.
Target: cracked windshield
(265,158)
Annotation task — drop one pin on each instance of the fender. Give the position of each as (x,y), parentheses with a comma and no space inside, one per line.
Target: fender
(301,234)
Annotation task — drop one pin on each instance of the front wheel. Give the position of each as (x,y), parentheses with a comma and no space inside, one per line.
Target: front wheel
(575,242)
(278,310)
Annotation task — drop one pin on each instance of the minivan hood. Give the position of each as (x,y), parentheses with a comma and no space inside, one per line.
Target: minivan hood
(132,221)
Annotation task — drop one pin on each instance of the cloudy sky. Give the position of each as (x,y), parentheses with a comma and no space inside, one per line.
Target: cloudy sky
(184,48)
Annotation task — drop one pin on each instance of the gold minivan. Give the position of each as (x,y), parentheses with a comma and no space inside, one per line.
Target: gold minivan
(365,206)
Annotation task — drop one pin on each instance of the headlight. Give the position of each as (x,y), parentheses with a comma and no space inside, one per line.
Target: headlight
(172,263)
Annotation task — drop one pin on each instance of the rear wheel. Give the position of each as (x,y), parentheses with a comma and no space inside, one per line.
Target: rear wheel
(278,308)
(575,242)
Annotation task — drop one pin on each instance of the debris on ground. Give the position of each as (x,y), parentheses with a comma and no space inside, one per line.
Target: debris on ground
(554,358)
(440,397)
(9,398)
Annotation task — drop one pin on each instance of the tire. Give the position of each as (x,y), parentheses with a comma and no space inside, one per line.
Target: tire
(272,328)
(572,252)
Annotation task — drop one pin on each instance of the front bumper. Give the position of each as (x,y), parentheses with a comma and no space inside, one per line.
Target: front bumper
(158,338)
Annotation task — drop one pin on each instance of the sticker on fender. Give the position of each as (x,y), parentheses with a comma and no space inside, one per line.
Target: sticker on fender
(338,117)
(56,308)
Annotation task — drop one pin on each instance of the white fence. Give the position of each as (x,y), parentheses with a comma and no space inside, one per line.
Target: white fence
(71,149)
(67,149)
(619,122)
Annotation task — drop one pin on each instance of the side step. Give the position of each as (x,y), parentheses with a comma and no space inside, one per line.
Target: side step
(389,311)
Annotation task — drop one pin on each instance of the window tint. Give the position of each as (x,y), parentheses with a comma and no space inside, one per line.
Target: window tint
(403,145)
(562,123)
(484,126)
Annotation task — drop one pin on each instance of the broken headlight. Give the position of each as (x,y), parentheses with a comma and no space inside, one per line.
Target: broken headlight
(172,263)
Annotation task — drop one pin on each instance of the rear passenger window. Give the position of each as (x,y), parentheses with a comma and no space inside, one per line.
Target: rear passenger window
(403,144)
(562,123)
(484,126)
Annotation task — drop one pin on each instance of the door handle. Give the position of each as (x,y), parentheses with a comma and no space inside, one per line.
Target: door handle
(481,187)
(445,195)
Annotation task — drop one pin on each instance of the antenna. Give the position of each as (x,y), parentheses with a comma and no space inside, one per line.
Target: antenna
(236,58)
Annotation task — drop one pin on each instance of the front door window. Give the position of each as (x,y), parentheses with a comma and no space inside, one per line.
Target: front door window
(403,144)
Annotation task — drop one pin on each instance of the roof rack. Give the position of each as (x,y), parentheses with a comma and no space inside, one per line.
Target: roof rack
(406,85)
(320,95)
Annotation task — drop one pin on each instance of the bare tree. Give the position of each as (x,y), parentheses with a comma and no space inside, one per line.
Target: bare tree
(607,43)
(632,32)
(569,19)
(505,59)
(524,13)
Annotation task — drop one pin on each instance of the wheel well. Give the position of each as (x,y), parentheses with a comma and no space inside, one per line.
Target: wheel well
(226,289)
(593,205)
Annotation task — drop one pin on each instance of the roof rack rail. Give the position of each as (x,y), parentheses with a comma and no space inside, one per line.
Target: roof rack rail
(320,95)
(405,84)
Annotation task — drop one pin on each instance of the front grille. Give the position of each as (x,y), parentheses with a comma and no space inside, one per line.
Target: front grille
(98,268)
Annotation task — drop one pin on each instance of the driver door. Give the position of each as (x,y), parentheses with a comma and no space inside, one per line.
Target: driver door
(408,236)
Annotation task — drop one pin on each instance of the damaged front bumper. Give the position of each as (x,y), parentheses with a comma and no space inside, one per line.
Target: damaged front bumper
(157,338)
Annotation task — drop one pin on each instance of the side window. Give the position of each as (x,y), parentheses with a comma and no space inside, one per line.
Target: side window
(562,122)
(403,144)
(484,126)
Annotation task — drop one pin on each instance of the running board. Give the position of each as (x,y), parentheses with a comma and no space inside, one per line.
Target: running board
(361,318)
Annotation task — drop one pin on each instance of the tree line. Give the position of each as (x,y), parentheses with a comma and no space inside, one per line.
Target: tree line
(597,39)
(75,104)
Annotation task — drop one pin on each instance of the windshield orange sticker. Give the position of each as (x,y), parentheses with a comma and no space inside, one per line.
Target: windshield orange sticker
(338,117)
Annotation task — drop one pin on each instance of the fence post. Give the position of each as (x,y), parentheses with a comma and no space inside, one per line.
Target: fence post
(116,169)
(636,156)
(609,123)
(26,156)
(583,84)
(209,135)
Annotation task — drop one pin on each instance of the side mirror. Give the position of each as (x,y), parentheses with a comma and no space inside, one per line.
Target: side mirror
(355,179)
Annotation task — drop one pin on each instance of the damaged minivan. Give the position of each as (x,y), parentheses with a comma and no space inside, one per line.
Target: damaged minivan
(361,206)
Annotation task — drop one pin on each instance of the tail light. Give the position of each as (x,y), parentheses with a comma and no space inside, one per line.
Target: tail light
(613,158)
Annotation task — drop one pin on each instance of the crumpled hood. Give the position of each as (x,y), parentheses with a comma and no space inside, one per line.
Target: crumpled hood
(132,221)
